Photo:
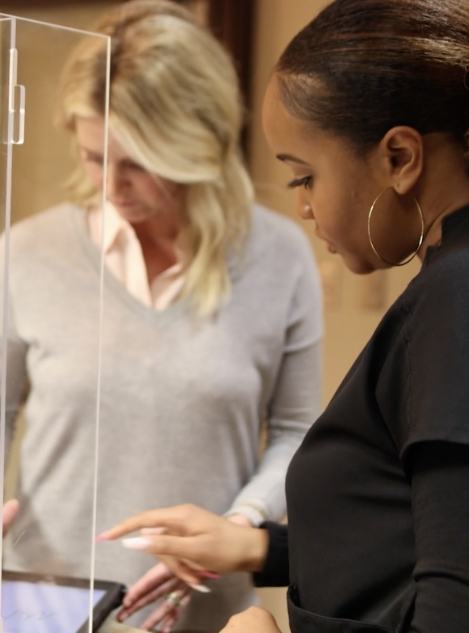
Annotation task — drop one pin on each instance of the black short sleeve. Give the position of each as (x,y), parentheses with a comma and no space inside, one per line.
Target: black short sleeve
(436,367)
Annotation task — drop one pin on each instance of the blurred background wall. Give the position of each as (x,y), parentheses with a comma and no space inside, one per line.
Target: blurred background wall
(256,31)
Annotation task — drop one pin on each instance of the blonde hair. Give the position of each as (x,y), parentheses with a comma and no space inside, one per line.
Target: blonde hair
(176,109)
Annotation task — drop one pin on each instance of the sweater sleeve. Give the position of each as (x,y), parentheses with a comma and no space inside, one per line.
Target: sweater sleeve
(16,376)
(275,571)
(295,401)
(435,375)
(439,473)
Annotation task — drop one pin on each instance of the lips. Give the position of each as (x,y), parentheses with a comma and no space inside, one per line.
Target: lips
(330,247)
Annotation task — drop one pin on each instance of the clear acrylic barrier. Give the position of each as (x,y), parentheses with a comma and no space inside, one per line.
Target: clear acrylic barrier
(51,309)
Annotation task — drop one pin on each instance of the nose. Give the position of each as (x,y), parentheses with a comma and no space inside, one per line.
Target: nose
(117,182)
(306,211)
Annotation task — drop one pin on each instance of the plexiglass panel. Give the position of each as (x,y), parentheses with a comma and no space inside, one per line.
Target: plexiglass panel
(51,295)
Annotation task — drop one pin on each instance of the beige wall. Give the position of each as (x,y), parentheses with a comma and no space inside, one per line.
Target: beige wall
(44,163)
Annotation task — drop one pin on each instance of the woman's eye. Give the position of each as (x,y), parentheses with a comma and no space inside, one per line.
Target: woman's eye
(134,166)
(306,182)
(91,158)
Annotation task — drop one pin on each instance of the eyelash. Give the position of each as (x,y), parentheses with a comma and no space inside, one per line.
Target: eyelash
(93,159)
(306,182)
(134,166)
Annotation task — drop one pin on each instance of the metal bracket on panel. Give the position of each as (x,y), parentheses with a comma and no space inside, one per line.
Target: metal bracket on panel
(16,102)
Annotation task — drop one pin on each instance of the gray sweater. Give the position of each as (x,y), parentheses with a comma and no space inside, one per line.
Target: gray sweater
(182,400)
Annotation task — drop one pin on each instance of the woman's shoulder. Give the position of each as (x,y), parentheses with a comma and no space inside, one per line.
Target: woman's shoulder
(446,276)
(45,229)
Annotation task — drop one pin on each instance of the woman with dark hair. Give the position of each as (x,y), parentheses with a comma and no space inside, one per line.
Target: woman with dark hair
(211,345)
(369,108)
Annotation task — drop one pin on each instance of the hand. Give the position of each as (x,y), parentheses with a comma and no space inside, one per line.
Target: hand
(193,540)
(254,620)
(239,519)
(158,582)
(10,510)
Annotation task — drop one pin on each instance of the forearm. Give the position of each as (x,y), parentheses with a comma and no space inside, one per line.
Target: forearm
(16,387)
(440,495)
(294,408)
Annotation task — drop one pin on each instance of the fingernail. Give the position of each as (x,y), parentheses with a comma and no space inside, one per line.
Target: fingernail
(154,531)
(136,542)
(101,537)
(210,574)
(201,588)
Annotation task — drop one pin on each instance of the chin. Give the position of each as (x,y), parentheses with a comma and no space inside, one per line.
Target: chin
(132,213)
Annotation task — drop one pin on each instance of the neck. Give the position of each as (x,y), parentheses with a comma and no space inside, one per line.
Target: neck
(434,231)
(158,229)
(160,240)
(445,189)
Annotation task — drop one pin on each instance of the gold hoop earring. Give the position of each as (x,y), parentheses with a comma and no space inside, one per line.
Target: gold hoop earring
(420,242)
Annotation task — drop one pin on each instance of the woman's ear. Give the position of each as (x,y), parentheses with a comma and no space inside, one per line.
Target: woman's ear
(402,150)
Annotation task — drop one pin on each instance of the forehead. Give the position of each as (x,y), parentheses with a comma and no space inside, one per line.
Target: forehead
(287,134)
(279,125)
(91,136)
(291,136)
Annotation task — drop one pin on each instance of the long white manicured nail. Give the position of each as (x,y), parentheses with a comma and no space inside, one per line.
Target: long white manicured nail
(201,588)
(153,531)
(136,542)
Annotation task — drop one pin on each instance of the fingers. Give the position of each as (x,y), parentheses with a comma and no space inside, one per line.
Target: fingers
(10,510)
(153,580)
(185,573)
(132,524)
(152,596)
(167,614)
(164,545)
(173,519)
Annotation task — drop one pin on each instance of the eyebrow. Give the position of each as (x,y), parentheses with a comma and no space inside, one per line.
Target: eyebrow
(290,158)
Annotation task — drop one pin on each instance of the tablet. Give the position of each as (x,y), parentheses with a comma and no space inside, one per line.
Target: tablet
(50,604)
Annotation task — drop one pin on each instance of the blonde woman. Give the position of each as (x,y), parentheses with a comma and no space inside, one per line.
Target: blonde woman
(212,319)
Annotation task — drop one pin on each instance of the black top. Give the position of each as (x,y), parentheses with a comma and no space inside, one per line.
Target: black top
(378,493)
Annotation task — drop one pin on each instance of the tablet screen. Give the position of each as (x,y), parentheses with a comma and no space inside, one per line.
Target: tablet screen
(46,607)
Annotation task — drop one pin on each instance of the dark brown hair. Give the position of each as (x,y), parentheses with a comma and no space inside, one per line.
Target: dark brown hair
(362,67)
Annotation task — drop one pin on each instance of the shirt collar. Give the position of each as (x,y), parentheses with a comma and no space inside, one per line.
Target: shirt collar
(114,225)
(454,231)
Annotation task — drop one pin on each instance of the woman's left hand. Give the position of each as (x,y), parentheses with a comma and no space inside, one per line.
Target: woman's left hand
(157,584)
(10,510)
(254,620)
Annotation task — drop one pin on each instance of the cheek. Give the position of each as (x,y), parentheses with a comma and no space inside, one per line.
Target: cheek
(94,172)
(147,191)
(338,207)
(160,193)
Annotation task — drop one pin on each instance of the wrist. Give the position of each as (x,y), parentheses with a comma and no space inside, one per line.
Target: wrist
(239,519)
(256,547)
(254,512)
